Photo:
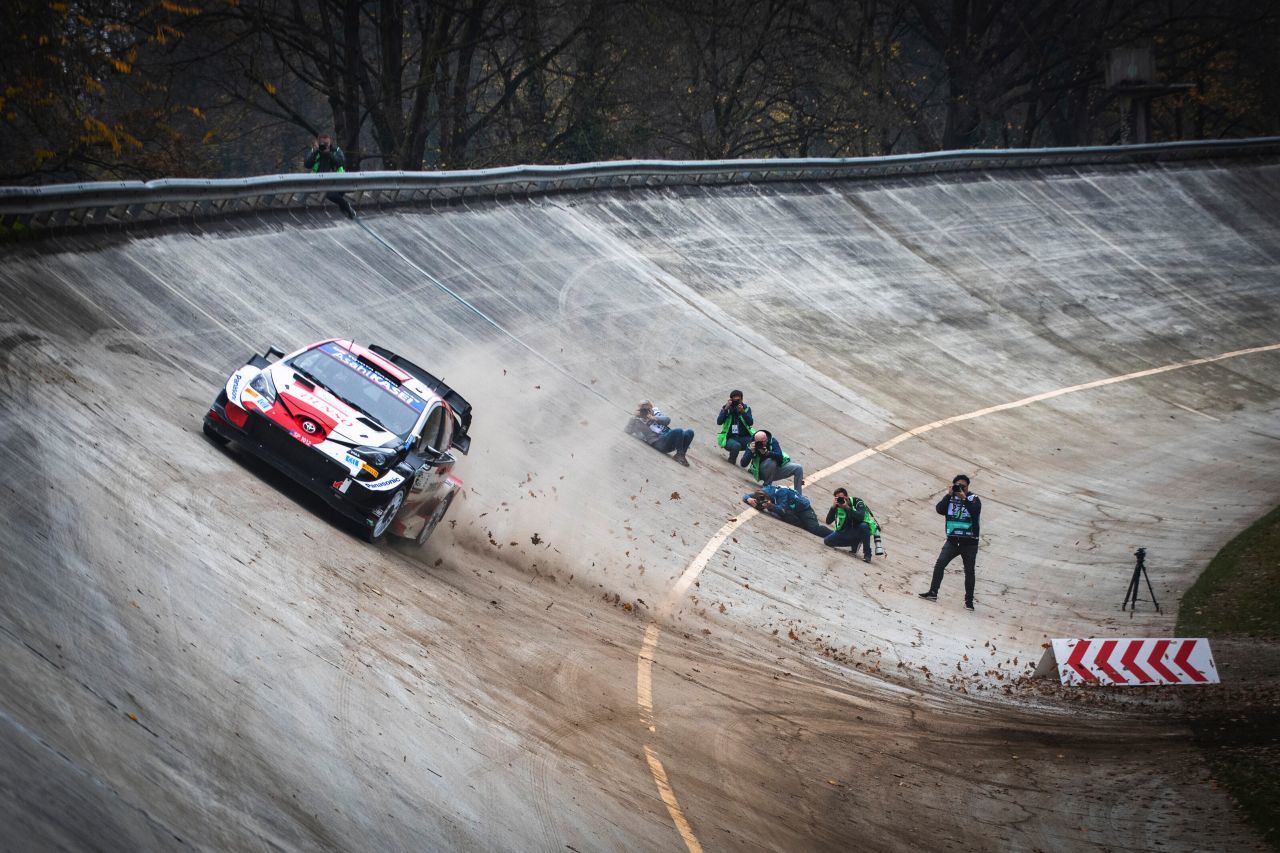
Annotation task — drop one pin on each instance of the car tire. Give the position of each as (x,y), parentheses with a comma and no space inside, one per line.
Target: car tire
(381,527)
(434,521)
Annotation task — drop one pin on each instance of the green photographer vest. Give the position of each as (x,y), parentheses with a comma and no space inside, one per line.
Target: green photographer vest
(723,438)
(754,468)
(842,517)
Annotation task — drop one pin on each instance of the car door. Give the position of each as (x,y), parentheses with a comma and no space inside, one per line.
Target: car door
(433,463)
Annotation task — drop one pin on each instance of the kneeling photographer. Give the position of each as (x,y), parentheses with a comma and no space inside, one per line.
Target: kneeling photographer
(854,524)
(767,462)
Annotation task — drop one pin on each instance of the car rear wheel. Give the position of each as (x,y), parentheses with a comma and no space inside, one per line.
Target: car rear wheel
(377,531)
(434,521)
(211,434)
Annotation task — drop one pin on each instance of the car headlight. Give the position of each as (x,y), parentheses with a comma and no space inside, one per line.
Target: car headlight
(263,385)
(376,460)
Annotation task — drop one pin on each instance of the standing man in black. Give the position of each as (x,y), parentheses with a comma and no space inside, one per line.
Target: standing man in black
(324,156)
(962,511)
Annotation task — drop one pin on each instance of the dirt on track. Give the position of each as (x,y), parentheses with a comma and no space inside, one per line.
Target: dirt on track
(198,654)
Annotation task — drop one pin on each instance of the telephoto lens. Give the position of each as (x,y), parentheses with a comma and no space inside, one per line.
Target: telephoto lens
(879,546)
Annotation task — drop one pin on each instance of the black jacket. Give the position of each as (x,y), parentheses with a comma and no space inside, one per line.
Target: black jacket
(332,160)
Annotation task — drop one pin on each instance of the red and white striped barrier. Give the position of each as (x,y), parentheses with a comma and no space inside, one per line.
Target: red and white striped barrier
(1130,662)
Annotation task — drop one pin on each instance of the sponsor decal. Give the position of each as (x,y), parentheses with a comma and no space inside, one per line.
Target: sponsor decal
(323,405)
(233,389)
(353,462)
(386,483)
(350,359)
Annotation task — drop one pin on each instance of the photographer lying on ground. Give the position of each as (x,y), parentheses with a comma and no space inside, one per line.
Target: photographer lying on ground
(788,505)
(735,422)
(652,427)
(766,461)
(855,525)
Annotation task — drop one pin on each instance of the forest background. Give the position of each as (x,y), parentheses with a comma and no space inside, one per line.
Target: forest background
(110,89)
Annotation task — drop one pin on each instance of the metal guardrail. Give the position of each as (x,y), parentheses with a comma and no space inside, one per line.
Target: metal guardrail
(123,202)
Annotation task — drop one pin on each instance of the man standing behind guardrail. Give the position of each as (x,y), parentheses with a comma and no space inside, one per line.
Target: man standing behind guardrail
(324,156)
(962,511)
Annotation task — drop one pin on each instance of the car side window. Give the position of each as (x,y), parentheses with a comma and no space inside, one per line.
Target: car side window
(430,439)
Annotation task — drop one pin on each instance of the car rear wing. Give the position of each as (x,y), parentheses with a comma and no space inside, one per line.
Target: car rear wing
(256,360)
(461,438)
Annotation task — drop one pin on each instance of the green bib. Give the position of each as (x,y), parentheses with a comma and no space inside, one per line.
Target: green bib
(723,438)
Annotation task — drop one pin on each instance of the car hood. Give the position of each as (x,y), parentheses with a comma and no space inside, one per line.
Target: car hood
(318,416)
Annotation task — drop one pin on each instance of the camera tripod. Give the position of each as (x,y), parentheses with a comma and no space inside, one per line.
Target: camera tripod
(1139,573)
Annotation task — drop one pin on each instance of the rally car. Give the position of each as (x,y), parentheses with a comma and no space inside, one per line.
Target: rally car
(363,428)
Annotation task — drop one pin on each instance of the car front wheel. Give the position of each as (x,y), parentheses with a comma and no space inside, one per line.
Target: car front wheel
(377,531)
(434,521)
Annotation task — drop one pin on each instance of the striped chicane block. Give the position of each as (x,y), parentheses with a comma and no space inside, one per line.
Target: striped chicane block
(1129,661)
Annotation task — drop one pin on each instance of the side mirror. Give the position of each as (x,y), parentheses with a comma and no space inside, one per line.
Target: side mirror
(462,441)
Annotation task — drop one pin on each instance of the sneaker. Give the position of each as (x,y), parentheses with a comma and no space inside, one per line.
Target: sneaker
(733,459)
(866,559)
(680,457)
(968,605)
(929,596)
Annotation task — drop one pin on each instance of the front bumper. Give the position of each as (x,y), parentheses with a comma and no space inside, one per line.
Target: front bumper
(300,462)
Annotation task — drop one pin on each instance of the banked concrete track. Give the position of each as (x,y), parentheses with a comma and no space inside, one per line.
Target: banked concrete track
(196,655)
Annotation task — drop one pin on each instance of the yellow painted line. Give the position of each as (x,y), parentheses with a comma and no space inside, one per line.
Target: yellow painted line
(649,647)
(669,797)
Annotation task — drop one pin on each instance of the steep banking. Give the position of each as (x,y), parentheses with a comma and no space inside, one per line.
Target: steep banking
(149,574)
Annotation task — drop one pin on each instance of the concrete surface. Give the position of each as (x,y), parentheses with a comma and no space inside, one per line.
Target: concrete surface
(197,654)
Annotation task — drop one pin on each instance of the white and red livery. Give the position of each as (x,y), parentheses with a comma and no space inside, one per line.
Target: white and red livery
(364,428)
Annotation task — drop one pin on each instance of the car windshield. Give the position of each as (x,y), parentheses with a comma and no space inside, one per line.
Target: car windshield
(361,384)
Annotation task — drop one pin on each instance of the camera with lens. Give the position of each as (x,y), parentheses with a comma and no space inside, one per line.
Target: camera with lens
(841,501)
(1141,553)
(956,489)
(759,445)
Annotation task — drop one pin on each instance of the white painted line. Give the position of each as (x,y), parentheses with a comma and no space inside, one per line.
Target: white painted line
(649,648)
(1196,412)
(691,572)
(644,675)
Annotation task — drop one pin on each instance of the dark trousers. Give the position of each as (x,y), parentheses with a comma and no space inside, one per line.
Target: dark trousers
(852,535)
(674,439)
(341,201)
(966,550)
(808,520)
(734,447)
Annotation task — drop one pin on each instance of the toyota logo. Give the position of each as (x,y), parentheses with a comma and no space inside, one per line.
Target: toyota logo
(309,427)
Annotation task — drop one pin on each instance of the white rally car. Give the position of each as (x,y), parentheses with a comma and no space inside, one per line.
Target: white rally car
(367,430)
